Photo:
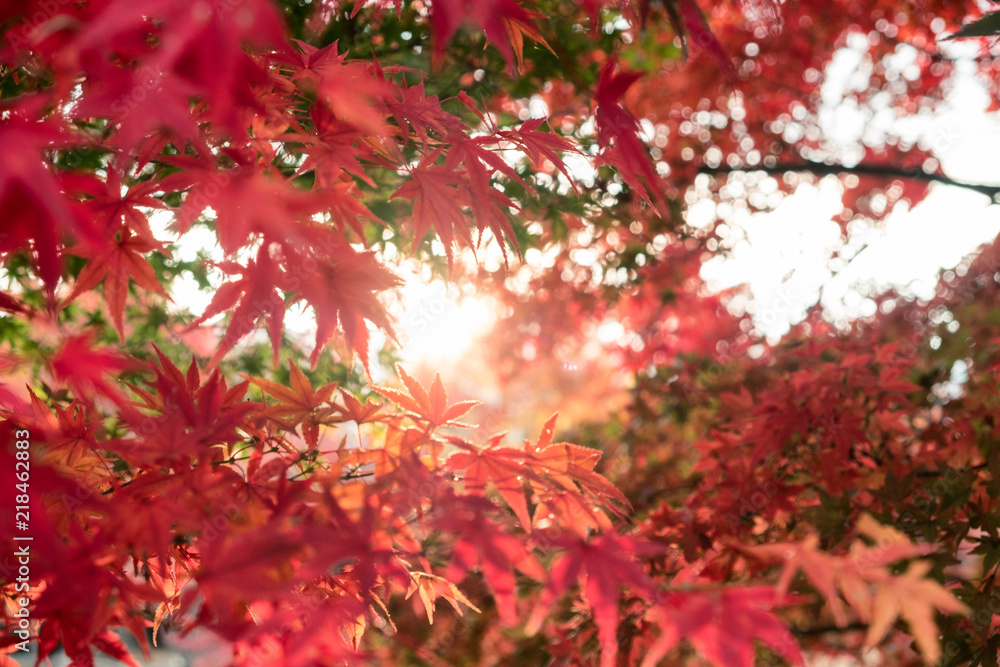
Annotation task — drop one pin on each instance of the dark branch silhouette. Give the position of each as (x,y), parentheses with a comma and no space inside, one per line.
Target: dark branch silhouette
(884,170)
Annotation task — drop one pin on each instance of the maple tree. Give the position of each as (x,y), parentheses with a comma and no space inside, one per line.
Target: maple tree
(209,470)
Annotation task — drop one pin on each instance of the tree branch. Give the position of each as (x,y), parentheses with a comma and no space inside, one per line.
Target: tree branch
(885,170)
(822,630)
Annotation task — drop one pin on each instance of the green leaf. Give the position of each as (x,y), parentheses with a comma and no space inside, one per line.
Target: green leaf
(986,26)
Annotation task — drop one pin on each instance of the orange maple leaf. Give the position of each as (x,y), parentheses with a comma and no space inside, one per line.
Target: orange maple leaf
(431,407)
(913,597)
(300,403)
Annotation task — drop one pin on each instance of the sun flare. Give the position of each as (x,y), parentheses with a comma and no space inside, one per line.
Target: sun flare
(438,325)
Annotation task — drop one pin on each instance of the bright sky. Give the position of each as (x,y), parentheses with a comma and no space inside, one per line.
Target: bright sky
(435,322)
(785,257)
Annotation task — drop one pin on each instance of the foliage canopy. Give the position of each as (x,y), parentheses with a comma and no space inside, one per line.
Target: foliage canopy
(750,504)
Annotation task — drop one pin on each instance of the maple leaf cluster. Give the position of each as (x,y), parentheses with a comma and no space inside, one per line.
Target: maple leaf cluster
(832,493)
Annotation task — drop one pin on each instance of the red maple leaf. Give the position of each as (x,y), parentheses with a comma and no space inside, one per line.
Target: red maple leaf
(251,298)
(504,22)
(438,195)
(300,403)
(248,201)
(505,467)
(722,625)
(487,203)
(109,206)
(601,566)
(484,544)
(571,465)
(700,34)
(332,149)
(202,52)
(617,134)
(342,290)
(354,410)
(36,213)
(190,417)
(538,145)
(415,109)
(88,370)
(115,263)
